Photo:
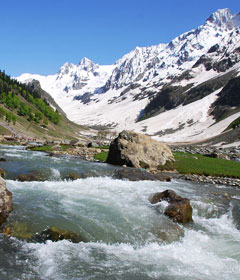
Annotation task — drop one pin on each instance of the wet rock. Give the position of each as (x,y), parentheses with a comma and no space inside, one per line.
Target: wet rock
(179,209)
(138,150)
(136,174)
(72,176)
(2,173)
(226,195)
(30,177)
(3,159)
(52,154)
(55,234)
(5,201)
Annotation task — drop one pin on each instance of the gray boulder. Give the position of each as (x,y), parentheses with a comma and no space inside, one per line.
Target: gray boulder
(138,150)
(5,201)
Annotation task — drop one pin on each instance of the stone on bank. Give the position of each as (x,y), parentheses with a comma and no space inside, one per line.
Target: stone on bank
(138,150)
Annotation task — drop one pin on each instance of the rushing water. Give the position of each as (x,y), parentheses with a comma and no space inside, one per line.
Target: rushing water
(125,236)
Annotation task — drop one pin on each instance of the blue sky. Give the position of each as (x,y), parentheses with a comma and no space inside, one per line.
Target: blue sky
(38,36)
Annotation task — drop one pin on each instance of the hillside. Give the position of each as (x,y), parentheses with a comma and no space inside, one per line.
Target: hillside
(27,111)
(174,92)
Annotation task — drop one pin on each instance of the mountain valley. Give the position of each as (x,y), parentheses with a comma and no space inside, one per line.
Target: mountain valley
(177,92)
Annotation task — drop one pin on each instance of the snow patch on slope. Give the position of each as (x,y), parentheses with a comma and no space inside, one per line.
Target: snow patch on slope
(186,123)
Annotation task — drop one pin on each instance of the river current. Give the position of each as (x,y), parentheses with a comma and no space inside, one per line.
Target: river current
(126,237)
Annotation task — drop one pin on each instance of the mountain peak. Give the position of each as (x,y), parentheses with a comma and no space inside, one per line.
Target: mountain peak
(65,68)
(87,65)
(221,18)
(85,61)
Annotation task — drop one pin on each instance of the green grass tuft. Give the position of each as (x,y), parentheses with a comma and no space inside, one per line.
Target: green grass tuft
(65,147)
(46,148)
(101,156)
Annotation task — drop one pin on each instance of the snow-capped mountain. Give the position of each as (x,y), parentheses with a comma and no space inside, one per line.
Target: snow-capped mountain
(169,87)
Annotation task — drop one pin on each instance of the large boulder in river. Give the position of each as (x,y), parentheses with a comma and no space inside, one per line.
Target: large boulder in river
(5,201)
(179,209)
(138,150)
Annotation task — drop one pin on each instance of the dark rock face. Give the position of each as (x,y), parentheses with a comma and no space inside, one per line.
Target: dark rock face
(228,99)
(179,209)
(135,174)
(138,150)
(170,97)
(5,201)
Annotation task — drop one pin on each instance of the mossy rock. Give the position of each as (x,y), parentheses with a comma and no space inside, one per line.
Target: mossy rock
(19,230)
(55,234)
(37,176)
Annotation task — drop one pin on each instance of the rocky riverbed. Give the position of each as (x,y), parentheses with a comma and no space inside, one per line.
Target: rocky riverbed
(211,180)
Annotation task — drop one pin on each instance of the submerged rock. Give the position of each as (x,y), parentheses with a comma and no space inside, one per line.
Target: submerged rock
(30,177)
(138,150)
(167,231)
(23,232)
(5,201)
(19,230)
(72,176)
(179,209)
(55,234)
(136,174)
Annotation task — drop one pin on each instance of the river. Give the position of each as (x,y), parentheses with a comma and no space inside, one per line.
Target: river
(126,237)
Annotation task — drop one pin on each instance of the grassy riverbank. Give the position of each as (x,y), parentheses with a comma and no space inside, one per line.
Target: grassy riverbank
(186,163)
